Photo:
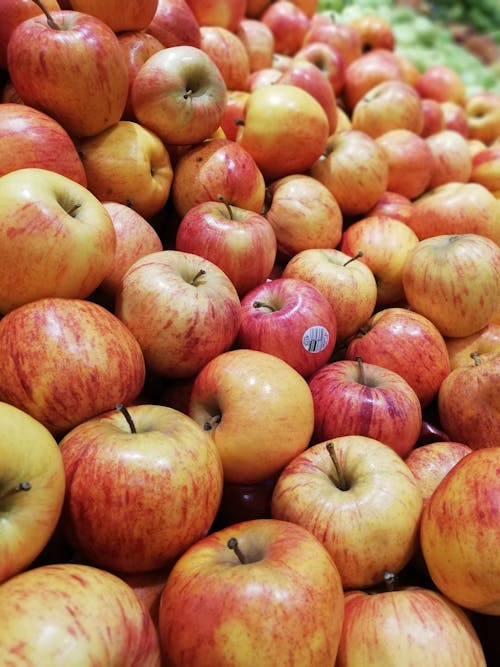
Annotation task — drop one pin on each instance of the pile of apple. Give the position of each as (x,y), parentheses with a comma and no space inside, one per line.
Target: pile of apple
(249,339)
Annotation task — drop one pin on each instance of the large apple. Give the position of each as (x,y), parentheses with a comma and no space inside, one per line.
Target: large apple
(128,164)
(433,117)
(410,624)
(454,281)
(359,498)
(179,94)
(408,344)
(148,481)
(57,239)
(67,360)
(182,309)
(75,615)
(258,410)
(240,242)
(71,67)
(459,533)
(347,283)
(31,491)
(30,138)
(290,319)
(275,594)
(174,24)
(119,15)
(355,398)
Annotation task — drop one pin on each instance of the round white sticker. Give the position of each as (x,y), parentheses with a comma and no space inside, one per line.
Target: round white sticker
(315,339)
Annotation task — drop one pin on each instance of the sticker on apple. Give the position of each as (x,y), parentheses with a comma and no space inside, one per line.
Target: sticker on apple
(315,339)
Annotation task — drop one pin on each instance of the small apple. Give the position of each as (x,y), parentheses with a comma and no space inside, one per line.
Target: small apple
(452,158)
(340,36)
(258,40)
(433,117)
(327,60)
(228,52)
(455,118)
(375,32)
(288,23)
(368,70)
(484,341)
(393,205)
(486,169)
(118,14)
(483,116)
(224,13)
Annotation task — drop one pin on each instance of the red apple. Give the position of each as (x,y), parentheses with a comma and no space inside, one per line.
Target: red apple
(327,60)
(455,118)
(228,52)
(288,23)
(483,116)
(263,77)
(340,36)
(375,32)
(393,205)
(441,83)
(234,112)
(452,158)
(258,40)
(119,15)
(433,117)
(224,13)
(486,169)
(367,71)
(174,24)
(484,341)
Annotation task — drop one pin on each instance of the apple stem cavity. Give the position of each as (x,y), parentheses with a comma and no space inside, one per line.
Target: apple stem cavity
(224,201)
(390,581)
(50,21)
(232,544)
(356,256)
(200,273)
(340,479)
(476,358)
(23,486)
(264,306)
(127,416)
(362,376)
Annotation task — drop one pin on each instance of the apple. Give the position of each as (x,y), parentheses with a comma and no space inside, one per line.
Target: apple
(235,109)
(240,242)
(228,52)
(76,614)
(303,213)
(158,471)
(455,118)
(327,60)
(57,238)
(135,237)
(290,319)
(462,391)
(410,162)
(67,360)
(32,489)
(217,168)
(454,281)
(386,244)
(30,138)
(441,83)
(408,344)
(352,397)
(459,533)
(355,170)
(370,69)
(389,105)
(359,498)
(72,68)
(278,119)
(258,40)
(275,593)
(393,205)
(258,410)
(456,208)
(416,624)
(182,309)
(433,117)
(288,23)
(375,32)
(483,116)
(347,283)
(174,24)
(224,13)
(484,341)
(486,169)
(452,158)
(180,95)
(340,36)
(119,15)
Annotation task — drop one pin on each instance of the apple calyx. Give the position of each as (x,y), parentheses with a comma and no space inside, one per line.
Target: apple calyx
(50,21)
(476,358)
(121,408)
(362,375)
(22,486)
(232,544)
(224,201)
(356,256)
(212,422)
(340,480)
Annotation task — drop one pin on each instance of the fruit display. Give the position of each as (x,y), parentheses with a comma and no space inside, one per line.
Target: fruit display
(249,334)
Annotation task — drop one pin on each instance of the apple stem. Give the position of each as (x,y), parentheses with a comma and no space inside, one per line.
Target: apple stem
(475,358)
(261,304)
(200,273)
(23,486)
(227,205)
(362,376)
(232,544)
(127,416)
(240,122)
(356,256)
(50,21)
(73,209)
(187,94)
(390,581)
(342,484)
(212,422)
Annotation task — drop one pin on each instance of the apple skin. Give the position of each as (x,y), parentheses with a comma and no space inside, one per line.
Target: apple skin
(483,116)
(416,624)
(58,239)
(459,533)
(277,120)
(235,108)
(461,392)
(258,410)
(375,32)
(180,95)
(290,319)
(218,167)
(340,36)
(408,344)
(30,138)
(378,404)
(48,343)
(288,23)
(29,518)
(258,40)
(441,83)
(486,169)
(455,118)
(347,283)
(286,603)
(484,341)
(454,281)
(369,528)
(174,24)
(148,587)
(224,13)
(181,318)
(367,71)
(393,205)
(228,52)
(433,117)
(119,15)
(452,158)
(77,74)
(164,483)
(67,612)
(327,60)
